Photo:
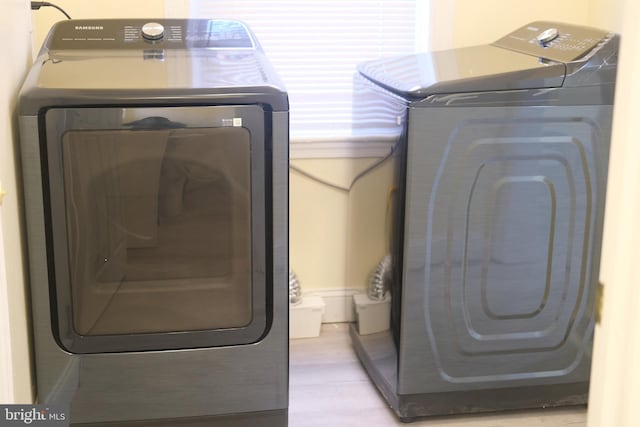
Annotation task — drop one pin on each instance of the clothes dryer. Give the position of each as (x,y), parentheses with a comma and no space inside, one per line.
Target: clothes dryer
(155,168)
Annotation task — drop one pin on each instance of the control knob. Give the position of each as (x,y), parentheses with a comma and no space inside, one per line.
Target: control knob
(547,36)
(152,31)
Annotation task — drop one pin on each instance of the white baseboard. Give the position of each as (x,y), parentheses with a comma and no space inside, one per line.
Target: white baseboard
(338,303)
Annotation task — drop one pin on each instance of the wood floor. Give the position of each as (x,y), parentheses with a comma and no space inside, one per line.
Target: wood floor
(329,387)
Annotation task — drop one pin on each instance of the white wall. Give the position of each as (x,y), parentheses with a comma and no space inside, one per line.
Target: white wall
(15,360)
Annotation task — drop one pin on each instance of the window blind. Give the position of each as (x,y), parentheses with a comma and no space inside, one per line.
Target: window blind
(315,46)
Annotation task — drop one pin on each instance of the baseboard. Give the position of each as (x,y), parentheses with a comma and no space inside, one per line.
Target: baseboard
(338,303)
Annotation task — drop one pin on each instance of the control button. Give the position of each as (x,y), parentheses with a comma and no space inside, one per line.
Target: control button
(153,31)
(547,36)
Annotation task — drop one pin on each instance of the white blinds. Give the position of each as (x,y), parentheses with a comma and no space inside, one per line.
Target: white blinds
(315,46)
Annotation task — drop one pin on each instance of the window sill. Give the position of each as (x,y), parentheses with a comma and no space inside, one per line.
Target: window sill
(340,149)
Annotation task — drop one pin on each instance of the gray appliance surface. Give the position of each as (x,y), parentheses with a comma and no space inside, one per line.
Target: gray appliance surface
(497,228)
(463,70)
(198,111)
(108,60)
(516,61)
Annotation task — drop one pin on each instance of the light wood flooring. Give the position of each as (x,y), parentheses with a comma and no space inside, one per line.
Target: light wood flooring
(329,387)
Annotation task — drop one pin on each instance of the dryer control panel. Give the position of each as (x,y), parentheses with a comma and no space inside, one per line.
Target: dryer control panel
(553,41)
(139,34)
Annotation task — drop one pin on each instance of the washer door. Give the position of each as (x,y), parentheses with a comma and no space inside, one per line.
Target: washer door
(157,233)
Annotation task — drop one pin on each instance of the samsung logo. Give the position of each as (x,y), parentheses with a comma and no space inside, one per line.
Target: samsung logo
(90,27)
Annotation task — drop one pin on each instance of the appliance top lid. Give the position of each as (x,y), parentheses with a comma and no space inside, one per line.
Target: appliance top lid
(116,59)
(534,56)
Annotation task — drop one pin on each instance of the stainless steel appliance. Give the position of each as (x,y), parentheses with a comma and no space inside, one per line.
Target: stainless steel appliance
(501,156)
(155,161)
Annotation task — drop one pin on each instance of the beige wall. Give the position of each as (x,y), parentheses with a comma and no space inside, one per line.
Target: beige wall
(317,223)
(331,247)
(606,14)
(15,368)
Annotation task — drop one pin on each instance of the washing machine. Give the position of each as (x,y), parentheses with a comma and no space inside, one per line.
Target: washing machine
(494,224)
(155,170)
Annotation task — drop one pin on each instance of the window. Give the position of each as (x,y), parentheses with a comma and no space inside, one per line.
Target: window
(315,47)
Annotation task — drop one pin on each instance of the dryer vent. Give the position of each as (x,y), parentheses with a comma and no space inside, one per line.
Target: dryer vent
(295,292)
(379,281)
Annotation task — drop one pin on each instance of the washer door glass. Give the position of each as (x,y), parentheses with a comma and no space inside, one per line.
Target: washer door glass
(160,224)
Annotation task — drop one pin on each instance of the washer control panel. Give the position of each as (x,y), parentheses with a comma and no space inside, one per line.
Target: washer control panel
(150,34)
(553,41)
